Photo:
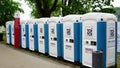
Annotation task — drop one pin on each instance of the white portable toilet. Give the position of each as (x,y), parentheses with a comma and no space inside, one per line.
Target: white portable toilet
(43,35)
(72,32)
(33,35)
(99,34)
(23,33)
(55,37)
(12,32)
(8,32)
(118,31)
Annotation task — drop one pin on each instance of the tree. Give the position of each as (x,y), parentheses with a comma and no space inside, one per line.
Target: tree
(46,8)
(7,10)
(117,9)
(76,6)
(84,6)
(42,8)
(103,6)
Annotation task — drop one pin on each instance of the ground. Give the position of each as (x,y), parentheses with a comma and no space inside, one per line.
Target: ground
(56,60)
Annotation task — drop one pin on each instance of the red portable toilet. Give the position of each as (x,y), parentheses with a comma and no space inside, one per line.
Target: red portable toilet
(17,30)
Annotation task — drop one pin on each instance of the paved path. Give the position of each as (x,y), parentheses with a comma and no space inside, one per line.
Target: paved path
(20,58)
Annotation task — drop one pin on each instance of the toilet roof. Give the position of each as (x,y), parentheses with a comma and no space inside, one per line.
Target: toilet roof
(98,16)
(72,18)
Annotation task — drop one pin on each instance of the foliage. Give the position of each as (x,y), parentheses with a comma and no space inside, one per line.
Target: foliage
(57,11)
(84,6)
(76,6)
(7,10)
(117,9)
(42,8)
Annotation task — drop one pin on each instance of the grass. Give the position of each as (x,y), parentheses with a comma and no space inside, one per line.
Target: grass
(118,59)
(118,55)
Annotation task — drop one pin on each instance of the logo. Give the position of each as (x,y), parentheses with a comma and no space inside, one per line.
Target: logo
(88,50)
(53,44)
(68,47)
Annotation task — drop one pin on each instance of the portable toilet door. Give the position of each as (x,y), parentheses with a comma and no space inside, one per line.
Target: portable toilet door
(55,37)
(99,34)
(23,34)
(31,35)
(71,37)
(33,43)
(8,32)
(118,31)
(12,32)
(43,35)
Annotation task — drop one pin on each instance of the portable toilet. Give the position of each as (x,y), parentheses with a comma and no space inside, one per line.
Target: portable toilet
(12,32)
(72,32)
(33,35)
(55,37)
(99,34)
(43,35)
(8,32)
(24,33)
(118,31)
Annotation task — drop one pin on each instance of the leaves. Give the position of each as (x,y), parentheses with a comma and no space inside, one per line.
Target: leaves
(85,6)
(43,8)
(8,8)
(77,7)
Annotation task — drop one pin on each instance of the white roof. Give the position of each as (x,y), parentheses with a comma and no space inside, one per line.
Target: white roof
(23,21)
(9,22)
(42,20)
(98,16)
(55,19)
(72,18)
(31,21)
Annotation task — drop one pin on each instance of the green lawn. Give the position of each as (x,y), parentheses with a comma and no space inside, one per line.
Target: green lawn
(118,58)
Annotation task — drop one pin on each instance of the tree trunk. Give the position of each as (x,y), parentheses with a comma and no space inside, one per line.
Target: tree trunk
(45,13)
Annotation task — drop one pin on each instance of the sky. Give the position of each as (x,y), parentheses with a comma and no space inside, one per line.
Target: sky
(27,9)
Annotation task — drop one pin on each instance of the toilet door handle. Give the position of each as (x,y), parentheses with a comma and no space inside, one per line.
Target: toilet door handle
(24,35)
(55,39)
(43,37)
(32,36)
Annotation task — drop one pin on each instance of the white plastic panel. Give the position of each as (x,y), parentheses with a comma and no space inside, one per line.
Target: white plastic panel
(23,36)
(41,38)
(118,43)
(12,33)
(68,30)
(89,29)
(52,40)
(7,33)
(31,37)
(110,53)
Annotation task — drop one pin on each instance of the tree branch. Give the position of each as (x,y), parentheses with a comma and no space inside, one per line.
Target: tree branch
(54,5)
(45,4)
(39,5)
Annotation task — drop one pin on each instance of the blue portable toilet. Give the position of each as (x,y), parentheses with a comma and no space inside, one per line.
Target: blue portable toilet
(72,35)
(33,35)
(8,32)
(43,38)
(55,37)
(99,33)
(24,34)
